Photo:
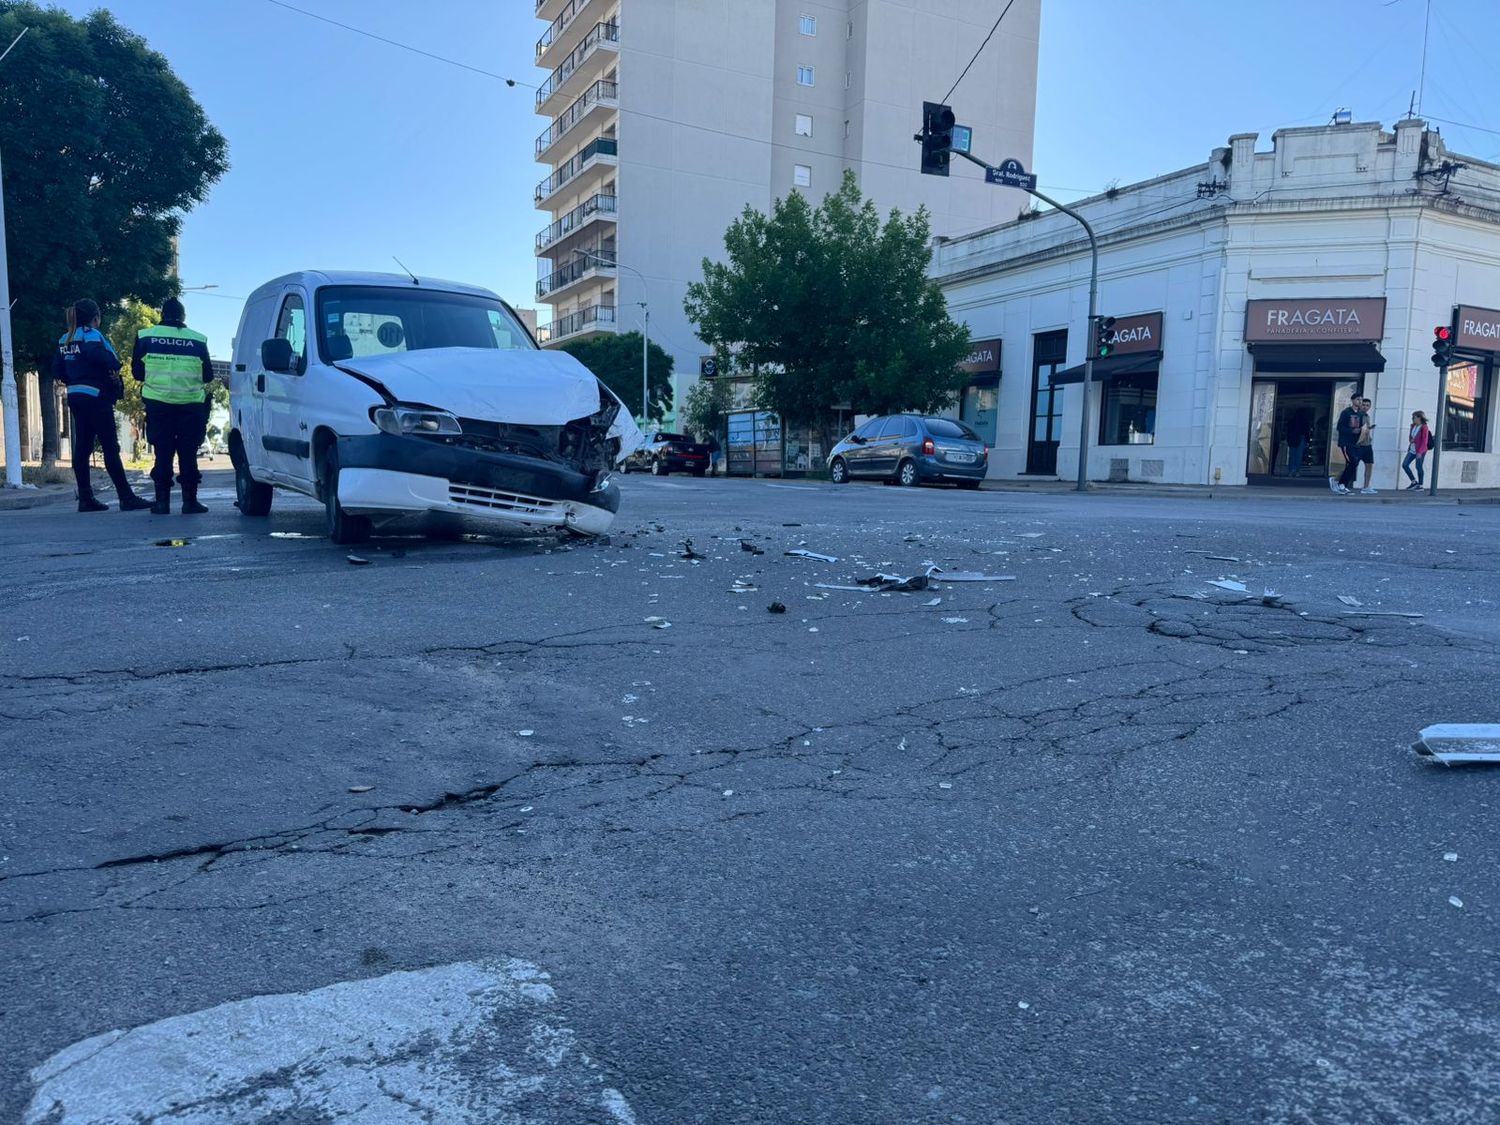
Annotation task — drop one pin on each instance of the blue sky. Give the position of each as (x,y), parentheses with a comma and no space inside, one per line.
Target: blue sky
(346,151)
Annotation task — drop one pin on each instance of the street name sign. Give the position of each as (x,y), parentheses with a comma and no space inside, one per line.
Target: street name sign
(1011,173)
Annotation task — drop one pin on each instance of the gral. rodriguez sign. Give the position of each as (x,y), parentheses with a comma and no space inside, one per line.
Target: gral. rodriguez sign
(1331,319)
(1478,329)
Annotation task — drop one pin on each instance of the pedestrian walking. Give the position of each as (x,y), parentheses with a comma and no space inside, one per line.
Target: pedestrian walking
(88,367)
(1418,442)
(1298,428)
(715,455)
(171,361)
(1364,448)
(1351,424)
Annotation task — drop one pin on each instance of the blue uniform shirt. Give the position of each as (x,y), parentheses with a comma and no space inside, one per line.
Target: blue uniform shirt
(87,365)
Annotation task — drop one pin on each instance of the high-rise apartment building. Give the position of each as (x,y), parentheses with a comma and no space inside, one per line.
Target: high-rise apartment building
(666,117)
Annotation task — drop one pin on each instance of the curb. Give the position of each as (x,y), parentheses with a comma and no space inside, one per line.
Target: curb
(1237,492)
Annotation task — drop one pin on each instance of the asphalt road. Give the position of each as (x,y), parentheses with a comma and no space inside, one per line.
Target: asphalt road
(462,835)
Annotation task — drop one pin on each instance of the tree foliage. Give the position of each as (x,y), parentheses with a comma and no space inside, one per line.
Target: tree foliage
(104,149)
(828,305)
(127,320)
(708,404)
(617,361)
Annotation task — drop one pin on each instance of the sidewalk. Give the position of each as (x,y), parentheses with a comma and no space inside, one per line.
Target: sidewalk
(42,495)
(1245,492)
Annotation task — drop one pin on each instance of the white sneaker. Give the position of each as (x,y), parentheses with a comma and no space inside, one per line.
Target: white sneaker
(1334,485)
(1368,491)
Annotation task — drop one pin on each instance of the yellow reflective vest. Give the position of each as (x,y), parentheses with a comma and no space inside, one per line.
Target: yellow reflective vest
(172,364)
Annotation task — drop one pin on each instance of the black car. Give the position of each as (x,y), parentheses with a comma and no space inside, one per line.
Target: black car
(911,449)
(665,453)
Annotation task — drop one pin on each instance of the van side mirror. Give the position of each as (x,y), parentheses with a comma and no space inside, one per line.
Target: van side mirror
(276,355)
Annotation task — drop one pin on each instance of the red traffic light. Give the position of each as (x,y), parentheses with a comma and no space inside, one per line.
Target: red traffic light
(1442,332)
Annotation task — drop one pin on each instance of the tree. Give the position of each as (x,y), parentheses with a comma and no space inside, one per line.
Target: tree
(708,404)
(126,321)
(104,150)
(827,306)
(617,361)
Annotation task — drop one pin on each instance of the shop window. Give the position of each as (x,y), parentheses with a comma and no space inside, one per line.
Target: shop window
(1128,415)
(1469,407)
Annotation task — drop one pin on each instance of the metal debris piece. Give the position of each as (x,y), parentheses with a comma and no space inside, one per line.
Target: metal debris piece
(688,552)
(776,607)
(969,576)
(1450,857)
(801,554)
(1454,900)
(357,560)
(1379,613)
(1230,584)
(895,583)
(658,623)
(360,788)
(746,545)
(1347,600)
(1451,743)
(934,601)
(850,589)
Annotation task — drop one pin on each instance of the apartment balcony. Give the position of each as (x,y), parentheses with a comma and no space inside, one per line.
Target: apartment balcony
(562,33)
(592,320)
(549,10)
(593,105)
(586,62)
(556,286)
(586,170)
(595,209)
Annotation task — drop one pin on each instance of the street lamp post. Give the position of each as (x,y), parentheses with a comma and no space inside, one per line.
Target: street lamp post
(645,332)
(10,399)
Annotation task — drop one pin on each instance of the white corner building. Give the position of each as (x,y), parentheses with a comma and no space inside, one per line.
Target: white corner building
(664,119)
(1254,295)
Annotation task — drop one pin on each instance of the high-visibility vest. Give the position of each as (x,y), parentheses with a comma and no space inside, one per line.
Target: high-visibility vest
(173,359)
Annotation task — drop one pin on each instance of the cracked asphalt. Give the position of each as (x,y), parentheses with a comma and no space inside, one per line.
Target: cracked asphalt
(1105,843)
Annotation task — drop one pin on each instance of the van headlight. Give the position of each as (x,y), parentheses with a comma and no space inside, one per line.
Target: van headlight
(400,420)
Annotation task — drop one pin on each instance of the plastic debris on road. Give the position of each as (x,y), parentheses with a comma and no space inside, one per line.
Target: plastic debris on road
(1454,900)
(1455,743)
(968,576)
(658,623)
(689,553)
(356,560)
(1347,600)
(1230,584)
(801,554)
(776,607)
(751,548)
(360,788)
(1450,857)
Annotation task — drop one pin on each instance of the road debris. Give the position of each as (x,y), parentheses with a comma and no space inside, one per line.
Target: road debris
(360,788)
(356,560)
(1379,613)
(801,554)
(776,607)
(751,548)
(525,733)
(1454,900)
(689,553)
(933,602)
(740,586)
(1450,857)
(940,575)
(1347,600)
(658,623)
(171,543)
(1452,743)
(1230,584)
(955,621)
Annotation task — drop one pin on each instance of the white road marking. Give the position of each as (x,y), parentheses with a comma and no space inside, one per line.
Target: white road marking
(794,487)
(472,1041)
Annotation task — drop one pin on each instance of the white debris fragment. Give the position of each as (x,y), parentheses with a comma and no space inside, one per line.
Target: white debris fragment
(955,621)
(1349,600)
(1450,857)
(1454,900)
(1022,1005)
(1459,742)
(525,733)
(802,554)
(945,785)
(729,792)
(1230,584)
(933,602)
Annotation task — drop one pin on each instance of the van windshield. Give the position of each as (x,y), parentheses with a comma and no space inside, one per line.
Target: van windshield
(359,321)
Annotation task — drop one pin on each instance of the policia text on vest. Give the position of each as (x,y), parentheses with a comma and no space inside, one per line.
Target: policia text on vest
(171,361)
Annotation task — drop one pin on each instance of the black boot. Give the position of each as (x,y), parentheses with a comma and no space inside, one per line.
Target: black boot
(87,503)
(163,505)
(130,502)
(190,505)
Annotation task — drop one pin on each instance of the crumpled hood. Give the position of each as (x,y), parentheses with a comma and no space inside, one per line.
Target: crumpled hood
(529,388)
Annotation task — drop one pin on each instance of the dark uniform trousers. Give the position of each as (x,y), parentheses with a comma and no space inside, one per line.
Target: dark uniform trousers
(94,421)
(176,429)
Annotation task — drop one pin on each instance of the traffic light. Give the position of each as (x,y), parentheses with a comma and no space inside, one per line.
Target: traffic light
(1442,346)
(936,137)
(1104,336)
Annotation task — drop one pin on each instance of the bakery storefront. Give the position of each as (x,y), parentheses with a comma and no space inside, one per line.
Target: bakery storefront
(1469,401)
(1311,357)
(1128,379)
(979,402)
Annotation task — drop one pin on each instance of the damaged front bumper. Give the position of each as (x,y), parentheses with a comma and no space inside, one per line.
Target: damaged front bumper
(389,476)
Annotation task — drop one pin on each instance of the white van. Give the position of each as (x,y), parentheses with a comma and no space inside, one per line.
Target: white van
(403,400)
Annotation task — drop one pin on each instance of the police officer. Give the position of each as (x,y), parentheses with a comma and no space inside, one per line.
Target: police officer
(88,367)
(171,361)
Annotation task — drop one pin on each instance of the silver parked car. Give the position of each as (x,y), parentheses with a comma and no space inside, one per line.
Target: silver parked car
(911,449)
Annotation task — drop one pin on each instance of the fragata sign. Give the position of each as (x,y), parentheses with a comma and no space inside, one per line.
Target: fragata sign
(1478,329)
(1332,319)
(1140,333)
(983,359)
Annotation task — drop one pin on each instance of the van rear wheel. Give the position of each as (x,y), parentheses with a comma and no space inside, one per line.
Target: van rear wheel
(250,496)
(343,528)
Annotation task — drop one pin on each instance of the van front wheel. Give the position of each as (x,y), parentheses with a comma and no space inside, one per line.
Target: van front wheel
(343,528)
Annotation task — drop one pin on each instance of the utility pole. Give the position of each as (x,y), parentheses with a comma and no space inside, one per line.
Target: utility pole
(10,399)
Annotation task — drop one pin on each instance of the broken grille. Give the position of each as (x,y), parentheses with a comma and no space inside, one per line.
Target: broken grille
(494,500)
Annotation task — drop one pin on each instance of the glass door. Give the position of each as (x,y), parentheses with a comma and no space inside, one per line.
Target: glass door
(1262,429)
(1049,352)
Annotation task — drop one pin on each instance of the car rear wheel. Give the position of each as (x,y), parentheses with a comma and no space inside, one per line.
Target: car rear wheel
(658,467)
(250,496)
(906,473)
(342,527)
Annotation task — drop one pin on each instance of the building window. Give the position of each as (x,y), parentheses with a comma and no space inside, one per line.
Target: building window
(802,175)
(804,124)
(808,25)
(804,76)
(1128,414)
(1469,407)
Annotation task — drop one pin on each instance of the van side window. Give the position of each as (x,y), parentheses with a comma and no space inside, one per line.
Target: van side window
(291,326)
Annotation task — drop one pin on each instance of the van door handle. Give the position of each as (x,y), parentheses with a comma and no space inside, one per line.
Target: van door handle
(260,383)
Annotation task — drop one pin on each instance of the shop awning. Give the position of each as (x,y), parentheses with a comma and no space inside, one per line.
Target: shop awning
(1353,358)
(1133,363)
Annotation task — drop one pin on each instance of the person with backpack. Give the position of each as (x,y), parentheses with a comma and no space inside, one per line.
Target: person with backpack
(1418,442)
(88,367)
(1351,425)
